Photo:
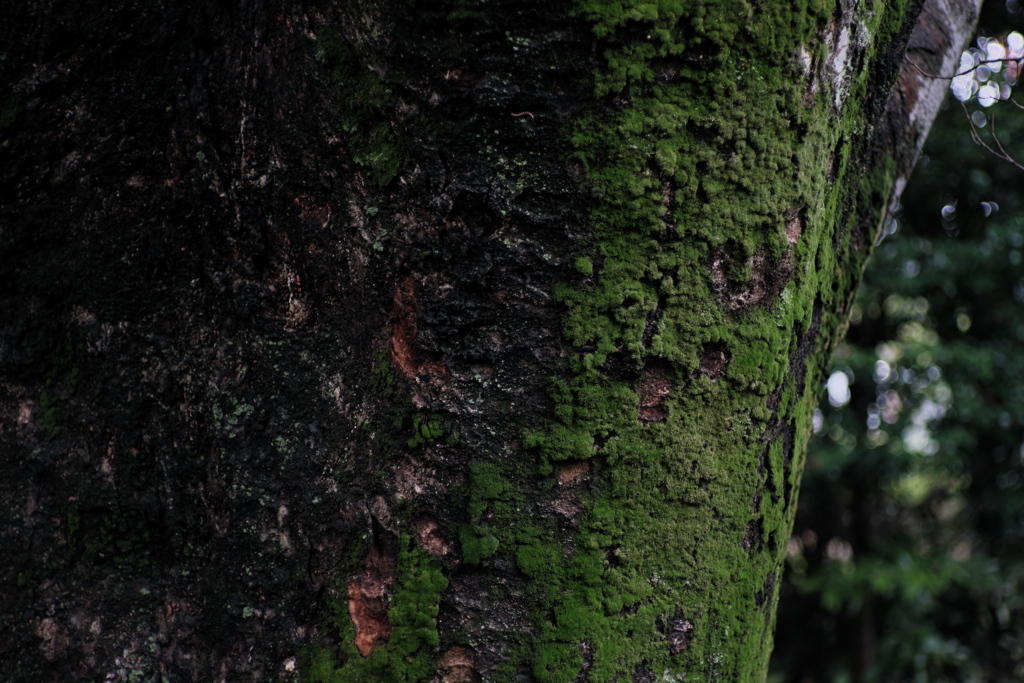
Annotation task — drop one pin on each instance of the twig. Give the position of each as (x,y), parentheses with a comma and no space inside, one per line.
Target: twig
(976,137)
(965,71)
(1006,155)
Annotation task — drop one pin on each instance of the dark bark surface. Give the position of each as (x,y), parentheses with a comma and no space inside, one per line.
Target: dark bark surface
(205,291)
(280,309)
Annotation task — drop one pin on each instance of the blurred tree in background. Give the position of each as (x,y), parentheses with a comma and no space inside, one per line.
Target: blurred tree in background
(907,559)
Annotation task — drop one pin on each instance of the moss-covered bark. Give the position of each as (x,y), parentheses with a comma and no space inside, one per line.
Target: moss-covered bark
(450,341)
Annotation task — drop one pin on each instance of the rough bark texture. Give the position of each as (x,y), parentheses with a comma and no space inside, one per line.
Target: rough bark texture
(432,341)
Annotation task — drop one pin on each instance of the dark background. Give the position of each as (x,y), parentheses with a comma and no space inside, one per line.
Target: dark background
(906,559)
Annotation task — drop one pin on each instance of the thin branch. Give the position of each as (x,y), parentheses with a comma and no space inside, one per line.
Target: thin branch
(999,144)
(965,71)
(976,137)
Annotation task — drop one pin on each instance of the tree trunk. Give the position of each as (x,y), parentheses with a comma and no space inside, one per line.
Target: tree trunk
(452,341)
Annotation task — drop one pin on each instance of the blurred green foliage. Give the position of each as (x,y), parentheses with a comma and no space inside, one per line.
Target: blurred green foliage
(907,558)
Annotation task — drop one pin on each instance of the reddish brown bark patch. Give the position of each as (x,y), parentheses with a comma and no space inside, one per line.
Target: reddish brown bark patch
(679,633)
(429,536)
(794,226)
(767,278)
(569,475)
(655,386)
(567,505)
(367,603)
(405,353)
(572,472)
(713,361)
(55,639)
(458,665)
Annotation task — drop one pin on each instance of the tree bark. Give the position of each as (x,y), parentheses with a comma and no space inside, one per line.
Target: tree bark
(377,341)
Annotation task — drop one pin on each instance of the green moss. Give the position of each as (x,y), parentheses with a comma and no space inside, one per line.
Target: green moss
(74,521)
(318,664)
(107,535)
(382,377)
(557,662)
(425,430)
(697,173)
(411,652)
(478,544)
(50,421)
(492,502)
(584,265)
(60,367)
(365,100)
(536,559)
(10,107)
(701,145)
